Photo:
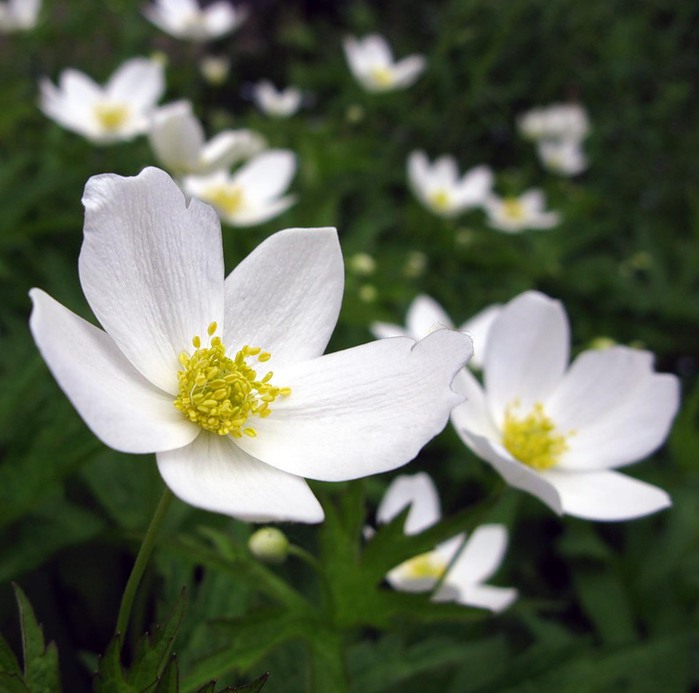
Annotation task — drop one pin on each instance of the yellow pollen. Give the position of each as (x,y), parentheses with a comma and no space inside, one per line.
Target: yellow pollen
(227,197)
(111,116)
(532,439)
(426,565)
(382,76)
(219,393)
(513,209)
(441,200)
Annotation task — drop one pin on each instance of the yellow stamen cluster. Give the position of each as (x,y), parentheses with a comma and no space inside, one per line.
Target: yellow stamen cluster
(111,116)
(228,198)
(513,209)
(532,439)
(426,565)
(382,76)
(219,393)
(441,200)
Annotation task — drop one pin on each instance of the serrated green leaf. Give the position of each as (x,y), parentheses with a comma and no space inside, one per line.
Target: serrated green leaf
(110,677)
(169,679)
(253,687)
(8,660)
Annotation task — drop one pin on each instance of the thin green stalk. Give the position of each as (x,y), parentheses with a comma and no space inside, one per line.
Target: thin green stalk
(139,565)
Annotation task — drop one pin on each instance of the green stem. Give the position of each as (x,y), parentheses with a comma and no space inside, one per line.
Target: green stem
(141,561)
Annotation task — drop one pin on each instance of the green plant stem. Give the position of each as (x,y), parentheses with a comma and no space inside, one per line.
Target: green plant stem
(139,565)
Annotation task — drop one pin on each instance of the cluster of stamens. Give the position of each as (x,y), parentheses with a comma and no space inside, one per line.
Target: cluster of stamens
(426,565)
(382,76)
(219,393)
(227,197)
(441,200)
(513,209)
(111,116)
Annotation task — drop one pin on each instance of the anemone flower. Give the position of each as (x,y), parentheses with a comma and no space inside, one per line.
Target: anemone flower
(516,214)
(565,157)
(559,121)
(559,433)
(18,15)
(224,380)
(278,103)
(185,19)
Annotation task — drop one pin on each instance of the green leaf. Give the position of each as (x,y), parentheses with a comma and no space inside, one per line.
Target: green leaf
(110,676)
(253,687)
(169,679)
(8,661)
(12,683)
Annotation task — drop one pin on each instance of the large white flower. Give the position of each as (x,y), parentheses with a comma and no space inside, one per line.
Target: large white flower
(426,315)
(119,111)
(225,380)
(559,432)
(371,62)
(185,19)
(461,576)
(252,194)
(516,214)
(18,15)
(178,141)
(439,187)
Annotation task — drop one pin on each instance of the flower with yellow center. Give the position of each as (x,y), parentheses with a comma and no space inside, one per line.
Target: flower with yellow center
(370,60)
(225,379)
(118,111)
(186,19)
(515,214)
(560,432)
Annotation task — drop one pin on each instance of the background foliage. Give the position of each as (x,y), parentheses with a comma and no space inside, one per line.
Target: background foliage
(602,607)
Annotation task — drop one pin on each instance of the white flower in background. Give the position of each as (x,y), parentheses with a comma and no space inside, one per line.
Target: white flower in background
(439,187)
(558,432)
(252,194)
(225,379)
(371,62)
(461,581)
(178,141)
(564,157)
(514,214)
(560,121)
(185,19)
(18,15)
(215,69)
(278,103)
(425,315)
(119,111)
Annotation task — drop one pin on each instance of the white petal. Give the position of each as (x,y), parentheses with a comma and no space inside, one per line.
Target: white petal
(215,474)
(478,327)
(481,556)
(474,187)
(117,403)
(419,172)
(151,268)
(527,352)
(384,330)
(424,315)
(472,414)
(285,296)
(259,212)
(495,599)
(361,411)
(267,175)
(606,496)
(139,82)
(228,147)
(407,71)
(177,137)
(419,492)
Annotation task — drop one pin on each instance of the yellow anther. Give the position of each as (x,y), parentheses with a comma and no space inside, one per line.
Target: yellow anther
(264,356)
(250,432)
(196,342)
(211,328)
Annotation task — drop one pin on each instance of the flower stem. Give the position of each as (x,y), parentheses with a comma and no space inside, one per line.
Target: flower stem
(139,565)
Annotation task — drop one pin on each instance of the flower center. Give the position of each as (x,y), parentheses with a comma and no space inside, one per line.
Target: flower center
(382,76)
(111,116)
(219,393)
(229,198)
(441,200)
(426,565)
(513,209)
(532,439)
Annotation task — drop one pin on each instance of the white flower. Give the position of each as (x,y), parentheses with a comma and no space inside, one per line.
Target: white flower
(426,315)
(461,581)
(178,141)
(559,432)
(371,61)
(18,15)
(225,380)
(185,19)
(119,111)
(250,195)
(564,157)
(440,189)
(515,214)
(560,121)
(278,103)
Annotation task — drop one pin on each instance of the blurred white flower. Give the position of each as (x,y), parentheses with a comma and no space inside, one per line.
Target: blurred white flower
(558,432)
(215,68)
(440,189)
(371,62)
(461,581)
(425,315)
(178,141)
(564,157)
(157,379)
(278,103)
(515,214)
(18,15)
(185,19)
(119,111)
(560,121)
(252,194)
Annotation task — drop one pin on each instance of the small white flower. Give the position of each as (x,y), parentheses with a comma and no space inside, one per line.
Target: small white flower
(119,111)
(18,15)
(371,61)
(564,157)
(559,121)
(440,189)
(225,379)
(559,432)
(515,214)
(278,103)
(252,194)
(185,19)
(461,581)
(177,139)
(425,315)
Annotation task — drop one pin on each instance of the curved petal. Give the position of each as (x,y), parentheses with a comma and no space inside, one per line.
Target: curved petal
(474,187)
(117,403)
(213,473)
(139,82)
(478,327)
(527,352)
(361,411)
(419,492)
(385,330)
(472,414)
(78,87)
(494,599)
(605,496)
(228,147)
(424,315)
(419,173)
(407,71)
(481,556)
(267,175)
(285,296)
(151,268)
(177,137)
(260,212)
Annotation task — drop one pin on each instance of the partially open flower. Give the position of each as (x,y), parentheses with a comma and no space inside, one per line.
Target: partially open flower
(185,19)
(278,103)
(515,214)
(559,121)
